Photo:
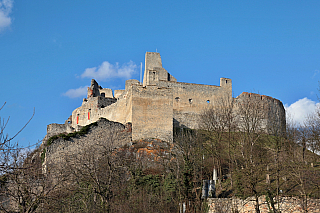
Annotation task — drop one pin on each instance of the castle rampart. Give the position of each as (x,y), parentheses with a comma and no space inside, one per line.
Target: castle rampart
(103,135)
(270,111)
(160,103)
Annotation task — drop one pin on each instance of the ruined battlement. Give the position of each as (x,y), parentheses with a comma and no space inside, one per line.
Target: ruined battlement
(160,103)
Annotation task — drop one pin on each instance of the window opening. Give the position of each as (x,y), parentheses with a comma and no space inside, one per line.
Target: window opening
(190,100)
(154,76)
(177,99)
(208,101)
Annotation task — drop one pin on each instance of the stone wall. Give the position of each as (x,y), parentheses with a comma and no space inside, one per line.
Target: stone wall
(189,100)
(162,102)
(269,111)
(55,129)
(286,205)
(152,113)
(114,109)
(105,134)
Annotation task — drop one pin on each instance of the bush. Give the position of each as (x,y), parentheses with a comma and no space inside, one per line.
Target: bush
(83,131)
(43,155)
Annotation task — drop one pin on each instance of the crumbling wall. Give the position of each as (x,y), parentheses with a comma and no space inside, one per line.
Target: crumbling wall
(117,93)
(105,134)
(55,129)
(154,72)
(162,102)
(93,90)
(105,92)
(115,109)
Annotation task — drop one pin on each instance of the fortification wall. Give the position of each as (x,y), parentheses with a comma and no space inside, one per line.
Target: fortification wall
(118,93)
(106,92)
(152,113)
(269,110)
(115,109)
(154,72)
(105,134)
(162,102)
(189,100)
(55,129)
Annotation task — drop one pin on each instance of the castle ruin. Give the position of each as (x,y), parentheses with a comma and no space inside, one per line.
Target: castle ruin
(158,104)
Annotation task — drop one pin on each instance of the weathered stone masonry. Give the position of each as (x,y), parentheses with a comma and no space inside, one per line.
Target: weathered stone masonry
(103,134)
(159,103)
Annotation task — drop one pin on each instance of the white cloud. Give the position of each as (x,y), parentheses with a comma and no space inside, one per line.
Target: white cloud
(76,93)
(5,10)
(299,110)
(107,70)
(316,72)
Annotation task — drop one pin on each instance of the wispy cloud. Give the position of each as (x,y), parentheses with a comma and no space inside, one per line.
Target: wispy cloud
(76,93)
(5,10)
(299,110)
(106,71)
(316,72)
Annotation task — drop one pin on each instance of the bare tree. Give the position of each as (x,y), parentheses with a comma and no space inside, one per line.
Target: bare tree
(312,128)
(251,121)
(6,143)
(23,186)
(218,120)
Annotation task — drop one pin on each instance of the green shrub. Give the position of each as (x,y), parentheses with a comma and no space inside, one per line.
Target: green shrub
(51,139)
(43,155)
(83,131)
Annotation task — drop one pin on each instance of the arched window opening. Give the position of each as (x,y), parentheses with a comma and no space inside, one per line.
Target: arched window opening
(190,101)
(177,99)
(103,94)
(208,101)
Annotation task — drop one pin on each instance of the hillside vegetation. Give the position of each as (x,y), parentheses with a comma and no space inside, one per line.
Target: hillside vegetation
(155,176)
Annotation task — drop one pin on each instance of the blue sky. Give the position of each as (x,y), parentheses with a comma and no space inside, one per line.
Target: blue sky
(50,50)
